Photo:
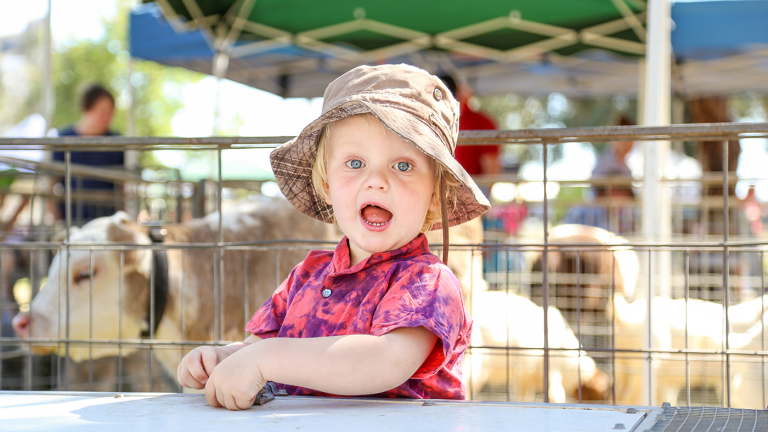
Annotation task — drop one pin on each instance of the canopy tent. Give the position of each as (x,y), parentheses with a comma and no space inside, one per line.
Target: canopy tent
(295,48)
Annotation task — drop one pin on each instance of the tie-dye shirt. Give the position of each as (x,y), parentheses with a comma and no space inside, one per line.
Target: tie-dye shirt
(406,287)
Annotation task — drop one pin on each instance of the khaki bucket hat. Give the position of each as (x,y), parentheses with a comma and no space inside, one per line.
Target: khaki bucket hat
(410,102)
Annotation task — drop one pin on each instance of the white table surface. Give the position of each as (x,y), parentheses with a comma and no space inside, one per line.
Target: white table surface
(62,411)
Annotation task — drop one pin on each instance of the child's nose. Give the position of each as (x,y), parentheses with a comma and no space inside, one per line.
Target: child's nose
(377,179)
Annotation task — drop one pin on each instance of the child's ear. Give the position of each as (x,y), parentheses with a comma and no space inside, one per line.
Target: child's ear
(434,205)
(327,194)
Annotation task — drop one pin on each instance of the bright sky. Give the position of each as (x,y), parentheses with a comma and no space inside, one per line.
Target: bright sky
(70,18)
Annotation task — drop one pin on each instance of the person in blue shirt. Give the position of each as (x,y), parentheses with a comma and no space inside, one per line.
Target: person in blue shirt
(98,107)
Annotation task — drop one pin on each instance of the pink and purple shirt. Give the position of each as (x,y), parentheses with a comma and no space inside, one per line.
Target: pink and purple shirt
(406,287)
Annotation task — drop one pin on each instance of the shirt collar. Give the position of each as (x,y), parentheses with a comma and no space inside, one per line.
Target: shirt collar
(341,256)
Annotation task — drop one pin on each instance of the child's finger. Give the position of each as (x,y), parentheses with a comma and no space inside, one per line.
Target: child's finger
(197,370)
(209,360)
(186,379)
(210,395)
(244,403)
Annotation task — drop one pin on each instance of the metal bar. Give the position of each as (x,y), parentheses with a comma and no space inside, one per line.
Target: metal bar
(2,312)
(152,277)
(649,365)
(762,321)
(246,298)
(687,355)
(702,131)
(120,324)
(143,343)
(219,199)
(506,326)
(470,387)
(58,325)
(183,321)
(68,213)
(277,268)
(183,305)
(79,203)
(726,272)
(578,320)
(269,245)
(31,285)
(259,245)
(214,283)
(32,204)
(90,322)
(544,271)
(613,328)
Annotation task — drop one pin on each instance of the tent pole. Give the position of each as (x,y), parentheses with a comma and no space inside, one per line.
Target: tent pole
(656,217)
(220,65)
(48,111)
(47,107)
(131,163)
(47,93)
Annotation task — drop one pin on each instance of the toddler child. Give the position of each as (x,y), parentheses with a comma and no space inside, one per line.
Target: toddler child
(380,315)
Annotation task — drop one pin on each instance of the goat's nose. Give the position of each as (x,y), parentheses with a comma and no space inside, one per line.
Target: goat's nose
(20,324)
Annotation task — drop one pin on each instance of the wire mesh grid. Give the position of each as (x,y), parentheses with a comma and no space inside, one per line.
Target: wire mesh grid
(695,419)
(604,345)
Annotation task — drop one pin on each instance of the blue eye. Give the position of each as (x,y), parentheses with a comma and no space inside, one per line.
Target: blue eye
(355,164)
(404,166)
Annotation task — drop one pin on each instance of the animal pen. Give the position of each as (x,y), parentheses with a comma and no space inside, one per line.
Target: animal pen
(613,293)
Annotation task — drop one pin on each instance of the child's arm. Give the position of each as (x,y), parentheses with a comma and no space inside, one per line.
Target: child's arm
(345,365)
(196,367)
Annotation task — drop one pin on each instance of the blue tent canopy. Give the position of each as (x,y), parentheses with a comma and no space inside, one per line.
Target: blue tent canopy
(714,29)
(153,38)
(721,48)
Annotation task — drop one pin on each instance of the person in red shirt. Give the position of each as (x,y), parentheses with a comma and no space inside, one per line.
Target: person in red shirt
(476,159)
(380,315)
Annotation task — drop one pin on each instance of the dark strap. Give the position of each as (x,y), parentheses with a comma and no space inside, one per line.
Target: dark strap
(444,215)
(159,283)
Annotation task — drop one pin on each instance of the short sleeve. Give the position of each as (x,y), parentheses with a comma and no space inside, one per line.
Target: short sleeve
(266,322)
(429,297)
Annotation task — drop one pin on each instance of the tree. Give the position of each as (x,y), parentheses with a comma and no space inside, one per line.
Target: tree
(157,88)
(78,63)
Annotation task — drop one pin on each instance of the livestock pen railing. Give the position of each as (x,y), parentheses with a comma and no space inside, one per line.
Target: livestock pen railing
(613,335)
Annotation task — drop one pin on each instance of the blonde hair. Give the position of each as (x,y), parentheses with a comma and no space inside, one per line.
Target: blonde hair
(320,179)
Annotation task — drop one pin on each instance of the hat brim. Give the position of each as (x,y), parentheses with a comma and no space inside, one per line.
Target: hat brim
(292,162)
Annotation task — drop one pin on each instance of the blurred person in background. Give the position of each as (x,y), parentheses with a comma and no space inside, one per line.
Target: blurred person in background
(614,208)
(97,107)
(476,159)
(614,159)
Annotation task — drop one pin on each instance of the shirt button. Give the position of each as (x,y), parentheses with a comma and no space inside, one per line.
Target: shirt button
(438,94)
(326,293)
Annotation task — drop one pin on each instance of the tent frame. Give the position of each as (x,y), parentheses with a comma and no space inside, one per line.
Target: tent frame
(414,41)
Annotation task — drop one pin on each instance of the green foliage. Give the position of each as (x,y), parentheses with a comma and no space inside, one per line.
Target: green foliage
(553,110)
(749,107)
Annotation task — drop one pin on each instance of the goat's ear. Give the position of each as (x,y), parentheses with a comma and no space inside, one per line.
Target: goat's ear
(60,236)
(121,229)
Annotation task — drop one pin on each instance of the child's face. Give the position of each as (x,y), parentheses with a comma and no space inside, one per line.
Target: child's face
(380,186)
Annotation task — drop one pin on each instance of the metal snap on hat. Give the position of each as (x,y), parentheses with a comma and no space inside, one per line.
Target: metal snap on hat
(407,100)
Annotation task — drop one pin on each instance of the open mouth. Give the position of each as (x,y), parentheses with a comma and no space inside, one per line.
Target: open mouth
(375,215)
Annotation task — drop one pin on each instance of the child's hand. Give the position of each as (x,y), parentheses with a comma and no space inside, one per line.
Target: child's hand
(196,367)
(235,381)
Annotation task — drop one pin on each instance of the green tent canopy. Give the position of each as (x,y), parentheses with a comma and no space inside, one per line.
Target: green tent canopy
(294,48)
